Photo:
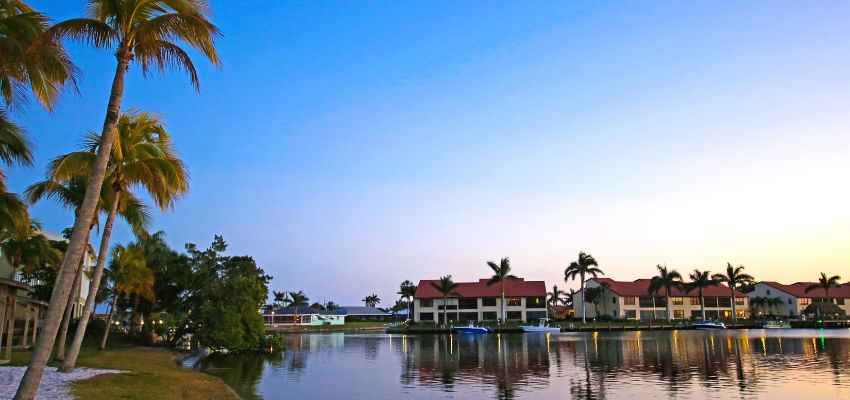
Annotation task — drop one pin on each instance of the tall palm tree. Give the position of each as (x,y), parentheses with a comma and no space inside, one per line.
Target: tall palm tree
(734,277)
(372,301)
(585,266)
(555,296)
(145,32)
(592,295)
(774,302)
(143,155)
(667,279)
(604,287)
(447,288)
(501,273)
(701,280)
(759,302)
(279,297)
(129,274)
(295,300)
(825,283)
(570,297)
(407,290)
(70,195)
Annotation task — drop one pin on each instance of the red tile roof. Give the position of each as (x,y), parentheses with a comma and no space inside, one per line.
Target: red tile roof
(561,309)
(640,287)
(517,288)
(799,289)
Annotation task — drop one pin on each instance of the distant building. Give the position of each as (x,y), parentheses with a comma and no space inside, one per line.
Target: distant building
(364,313)
(561,312)
(305,316)
(795,299)
(632,300)
(524,301)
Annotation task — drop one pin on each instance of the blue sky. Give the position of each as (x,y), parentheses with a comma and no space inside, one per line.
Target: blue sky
(348,146)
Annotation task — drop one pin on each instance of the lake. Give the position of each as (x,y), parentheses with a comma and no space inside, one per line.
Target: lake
(745,364)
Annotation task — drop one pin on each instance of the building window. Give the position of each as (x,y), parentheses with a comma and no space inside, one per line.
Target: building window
(534,315)
(488,302)
(447,307)
(790,301)
(694,301)
(677,301)
(535,302)
(840,302)
(768,292)
(725,314)
(711,314)
(803,301)
(467,304)
(615,313)
(452,316)
(661,314)
(679,314)
(696,313)
(647,315)
(739,301)
(426,316)
(711,302)
(467,316)
(426,303)
(515,315)
(629,301)
(645,302)
(490,315)
(791,313)
(724,302)
(514,302)
(631,314)
(614,301)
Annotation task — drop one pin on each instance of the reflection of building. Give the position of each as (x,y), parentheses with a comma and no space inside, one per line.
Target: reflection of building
(795,299)
(632,300)
(364,313)
(303,316)
(524,300)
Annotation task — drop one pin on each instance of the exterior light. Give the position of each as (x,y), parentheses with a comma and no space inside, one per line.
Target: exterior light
(143,322)
(160,321)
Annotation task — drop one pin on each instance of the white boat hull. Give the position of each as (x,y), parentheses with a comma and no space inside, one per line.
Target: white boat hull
(470,329)
(540,329)
(709,326)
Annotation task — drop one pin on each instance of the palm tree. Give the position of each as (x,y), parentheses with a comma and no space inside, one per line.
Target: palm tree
(775,302)
(70,195)
(586,265)
(668,280)
(759,302)
(407,290)
(140,31)
(592,296)
(143,155)
(701,280)
(825,283)
(569,297)
(372,301)
(129,275)
(555,296)
(446,288)
(295,300)
(501,273)
(734,277)
(279,297)
(604,287)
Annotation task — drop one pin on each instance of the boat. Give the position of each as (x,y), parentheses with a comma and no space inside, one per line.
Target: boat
(543,326)
(776,325)
(471,329)
(709,325)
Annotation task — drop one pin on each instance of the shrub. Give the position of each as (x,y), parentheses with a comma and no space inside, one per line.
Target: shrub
(94,328)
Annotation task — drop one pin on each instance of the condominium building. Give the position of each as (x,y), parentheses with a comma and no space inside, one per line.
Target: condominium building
(632,300)
(795,300)
(524,301)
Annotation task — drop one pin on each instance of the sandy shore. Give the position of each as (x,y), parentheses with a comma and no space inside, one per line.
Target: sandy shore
(54,385)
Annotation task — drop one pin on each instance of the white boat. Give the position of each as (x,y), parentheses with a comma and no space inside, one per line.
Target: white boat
(709,325)
(542,327)
(776,325)
(471,329)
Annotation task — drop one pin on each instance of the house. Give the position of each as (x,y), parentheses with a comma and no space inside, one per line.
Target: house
(364,313)
(561,312)
(632,300)
(305,316)
(524,301)
(795,299)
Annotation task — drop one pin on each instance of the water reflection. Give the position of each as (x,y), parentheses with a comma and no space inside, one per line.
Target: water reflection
(679,364)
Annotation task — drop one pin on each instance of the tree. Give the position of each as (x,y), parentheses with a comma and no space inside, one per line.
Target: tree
(148,39)
(701,280)
(143,155)
(317,306)
(734,277)
(295,300)
(330,306)
(592,296)
(28,249)
(446,287)
(758,302)
(584,266)
(668,280)
(128,274)
(825,283)
(372,301)
(774,302)
(569,297)
(501,273)
(407,290)
(279,297)
(555,297)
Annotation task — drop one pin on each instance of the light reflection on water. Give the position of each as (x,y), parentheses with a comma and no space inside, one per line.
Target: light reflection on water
(746,364)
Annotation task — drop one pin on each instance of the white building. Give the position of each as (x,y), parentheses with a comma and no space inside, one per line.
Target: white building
(524,301)
(795,299)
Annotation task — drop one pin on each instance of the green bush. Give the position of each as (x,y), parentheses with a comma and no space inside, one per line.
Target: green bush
(94,328)
(351,318)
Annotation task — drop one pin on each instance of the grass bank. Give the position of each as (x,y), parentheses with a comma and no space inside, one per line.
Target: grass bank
(152,374)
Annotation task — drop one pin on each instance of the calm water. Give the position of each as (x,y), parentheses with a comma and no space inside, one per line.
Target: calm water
(750,364)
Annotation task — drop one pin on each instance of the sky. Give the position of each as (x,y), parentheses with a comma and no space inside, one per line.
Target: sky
(348,146)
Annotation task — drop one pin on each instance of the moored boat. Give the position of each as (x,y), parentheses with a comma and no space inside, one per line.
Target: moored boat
(776,325)
(471,329)
(709,325)
(542,327)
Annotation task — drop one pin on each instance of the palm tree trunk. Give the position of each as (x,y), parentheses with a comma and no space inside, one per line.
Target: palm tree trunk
(702,304)
(66,320)
(77,245)
(71,360)
(136,314)
(504,312)
(445,317)
(109,320)
(667,296)
(583,313)
(734,314)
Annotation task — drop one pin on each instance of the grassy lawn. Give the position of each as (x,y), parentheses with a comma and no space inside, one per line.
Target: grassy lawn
(153,374)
